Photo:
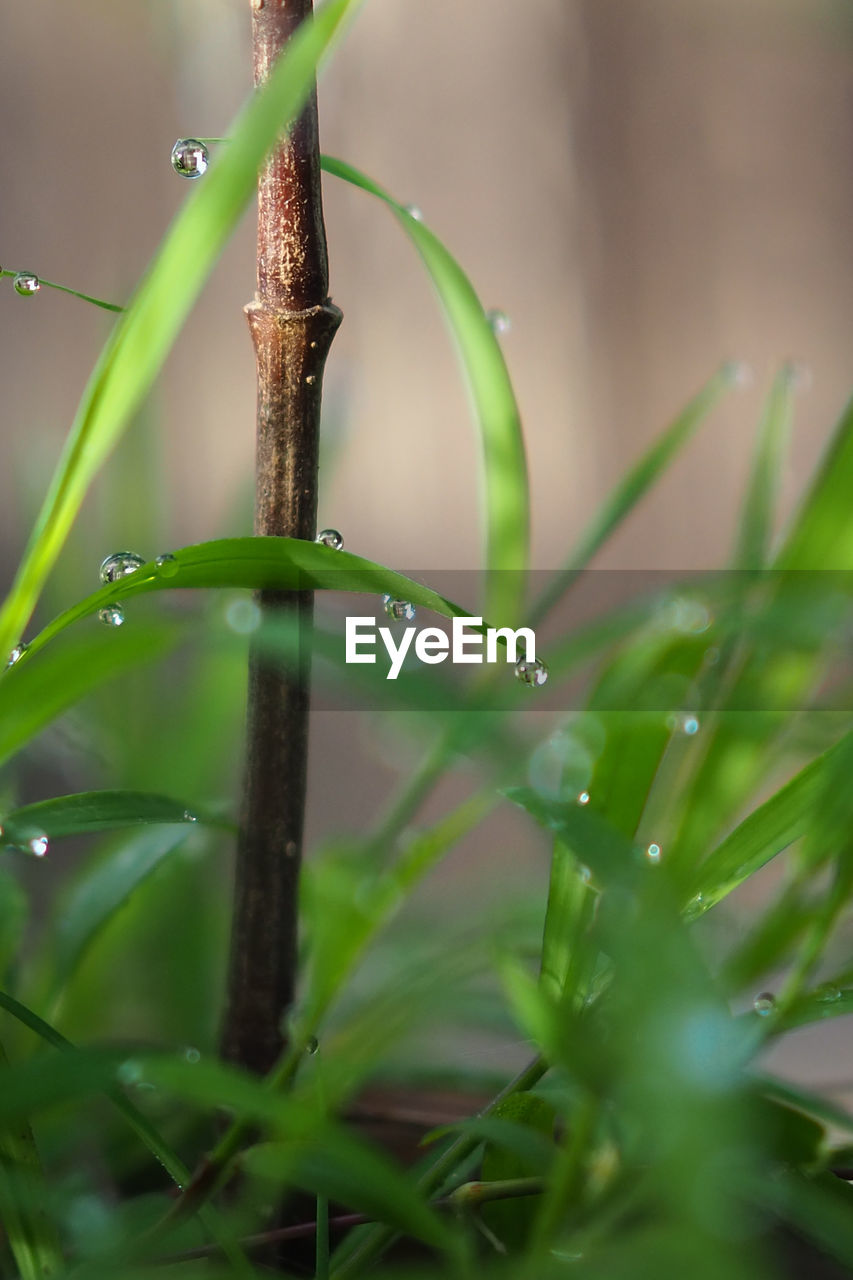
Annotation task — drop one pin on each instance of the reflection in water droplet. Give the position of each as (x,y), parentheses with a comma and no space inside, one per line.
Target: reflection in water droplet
(331,538)
(26,283)
(827,993)
(583,798)
(190,157)
(192,1055)
(112,616)
(533,673)
(764,1004)
(190,817)
(243,615)
(16,654)
(585,874)
(653,854)
(400,610)
(312,1044)
(119,565)
(167,565)
(499,322)
(414,211)
(38,846)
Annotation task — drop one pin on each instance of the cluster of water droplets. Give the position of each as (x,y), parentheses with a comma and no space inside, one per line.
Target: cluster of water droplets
(331,538)
(118,565)
(190,158)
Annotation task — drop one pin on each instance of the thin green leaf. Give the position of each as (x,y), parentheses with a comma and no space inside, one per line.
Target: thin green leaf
(351,1173)
(32,694)
(752,546)
(507,501)
(821,536)
(89,811)
(75,293)
(31,1234)
(622,500)
(767,831)
(254,563)
(104,888)
(141,340)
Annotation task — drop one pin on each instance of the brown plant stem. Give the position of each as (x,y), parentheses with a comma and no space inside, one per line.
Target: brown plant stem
(292,324)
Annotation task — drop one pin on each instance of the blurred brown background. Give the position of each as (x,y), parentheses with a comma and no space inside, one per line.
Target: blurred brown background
(645,187)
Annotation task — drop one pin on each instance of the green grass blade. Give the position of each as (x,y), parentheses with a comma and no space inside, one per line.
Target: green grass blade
(632,488)
(821,536)
(282,563)
(31,1235)
(32,694)
(75,293)
(507,503)
(103,888)
(89,811)
(142,338)
(752,545)
(770,829)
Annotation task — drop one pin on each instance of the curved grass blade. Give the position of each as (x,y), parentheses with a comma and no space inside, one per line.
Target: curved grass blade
(89,811)
(507,501)
(821,536)
(32,694)
(139,1123)
(30,1233)
(632,488)
(103,888)
(767,831)
(75,293)
(285,564)
(752,546)
(140,342)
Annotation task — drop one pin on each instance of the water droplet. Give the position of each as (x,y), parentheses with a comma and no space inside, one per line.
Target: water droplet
(119,565)
(26,283)
(400,610)
(112,616)
(190,157)
(167,565)
(560,767)
(690,726)
(16,654)
(243,616)
(533,673)
(499,322)
(764,1004)
(129,1072)
(685,614)
(585,874)
(653,854)
(38,845)
(312,1044)
(583,798)
(739,373)
(827,993)
(414,211)
(331,538)
(310,379)
(191,1054)
(190,817)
